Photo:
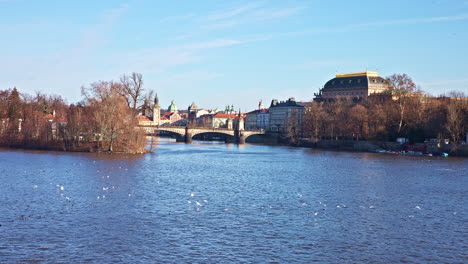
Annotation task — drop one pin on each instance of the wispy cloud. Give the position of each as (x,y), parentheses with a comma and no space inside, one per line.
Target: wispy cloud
(65,67)
(217,43)
(422,20)
(271,13)
(237,15)
(96,35)
(177,18)
(352,27)
(232,12)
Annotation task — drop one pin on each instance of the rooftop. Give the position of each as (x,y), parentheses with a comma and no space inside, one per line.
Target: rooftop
(357,74)
(219,115)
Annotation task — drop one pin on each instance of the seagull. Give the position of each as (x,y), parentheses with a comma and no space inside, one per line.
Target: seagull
(316,213)
(417,207)
(192,194)
(198,203)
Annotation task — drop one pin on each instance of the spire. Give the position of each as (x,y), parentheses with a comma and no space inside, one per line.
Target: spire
(156,100)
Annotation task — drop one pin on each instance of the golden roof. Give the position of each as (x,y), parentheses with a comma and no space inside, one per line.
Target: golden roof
(357,74)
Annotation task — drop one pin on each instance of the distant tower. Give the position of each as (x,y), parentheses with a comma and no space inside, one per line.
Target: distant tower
(240,121)
(172,107)
(260,105)
(156,111)
(192,114)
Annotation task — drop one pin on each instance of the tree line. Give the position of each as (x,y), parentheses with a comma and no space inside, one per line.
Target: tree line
(105,120)
(403,112)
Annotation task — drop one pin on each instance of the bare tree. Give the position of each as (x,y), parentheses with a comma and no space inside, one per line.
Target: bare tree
(457,116)
(132,89)
(114,120)
(313,120)
(403,90)
(357,120)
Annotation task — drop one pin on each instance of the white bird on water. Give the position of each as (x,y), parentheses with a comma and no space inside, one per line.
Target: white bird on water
(198,203)
(417,207)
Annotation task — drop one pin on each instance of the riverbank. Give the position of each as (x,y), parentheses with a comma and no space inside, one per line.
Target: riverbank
(370,146)
(88,147)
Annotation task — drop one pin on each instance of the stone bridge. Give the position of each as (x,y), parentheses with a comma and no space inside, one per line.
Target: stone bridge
(187,133)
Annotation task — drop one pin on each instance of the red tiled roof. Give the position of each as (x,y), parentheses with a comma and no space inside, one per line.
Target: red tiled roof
(219,115)
(143,118)
(168,114)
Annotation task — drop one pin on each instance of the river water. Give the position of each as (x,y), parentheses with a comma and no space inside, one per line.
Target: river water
(225,203)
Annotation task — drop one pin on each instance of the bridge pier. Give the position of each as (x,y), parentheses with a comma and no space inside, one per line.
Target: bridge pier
(188,137)
(241,139)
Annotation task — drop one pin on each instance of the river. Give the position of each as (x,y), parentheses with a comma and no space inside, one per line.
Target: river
(211,202)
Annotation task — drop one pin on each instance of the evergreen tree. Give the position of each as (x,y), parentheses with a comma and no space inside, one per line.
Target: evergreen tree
(14,105)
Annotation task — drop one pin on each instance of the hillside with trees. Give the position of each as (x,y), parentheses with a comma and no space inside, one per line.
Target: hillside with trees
(105,121)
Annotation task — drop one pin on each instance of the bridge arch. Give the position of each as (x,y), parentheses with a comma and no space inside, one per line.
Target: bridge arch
(244,135)
(186,133)
(178,132)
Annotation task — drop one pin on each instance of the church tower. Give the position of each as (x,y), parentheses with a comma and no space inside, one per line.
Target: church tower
(192,114)
(156,111)
(240,121)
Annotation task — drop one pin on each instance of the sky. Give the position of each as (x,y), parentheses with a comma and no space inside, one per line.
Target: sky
(218,53)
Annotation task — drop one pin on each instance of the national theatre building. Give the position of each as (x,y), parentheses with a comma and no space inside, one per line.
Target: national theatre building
(355,85)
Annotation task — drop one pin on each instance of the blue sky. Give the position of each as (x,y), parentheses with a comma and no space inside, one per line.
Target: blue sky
(230,52)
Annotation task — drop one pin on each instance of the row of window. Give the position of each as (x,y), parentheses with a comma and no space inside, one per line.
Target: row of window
(350,81)
(347,93)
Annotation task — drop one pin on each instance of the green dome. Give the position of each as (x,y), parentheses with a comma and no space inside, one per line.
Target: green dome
(172,107)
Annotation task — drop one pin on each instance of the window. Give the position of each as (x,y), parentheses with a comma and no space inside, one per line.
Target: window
(350,81)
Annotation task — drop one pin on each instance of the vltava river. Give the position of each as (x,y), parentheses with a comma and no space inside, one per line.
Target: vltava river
(224,203)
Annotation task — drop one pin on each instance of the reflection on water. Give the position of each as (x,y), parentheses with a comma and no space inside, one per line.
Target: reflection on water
(213,202)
